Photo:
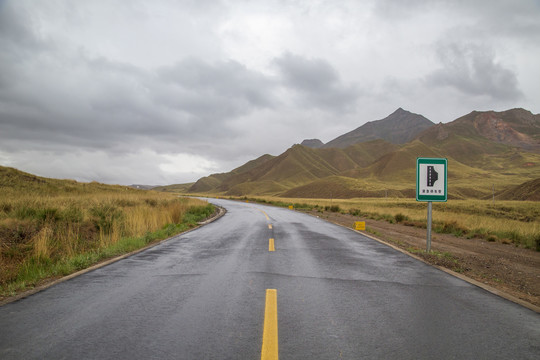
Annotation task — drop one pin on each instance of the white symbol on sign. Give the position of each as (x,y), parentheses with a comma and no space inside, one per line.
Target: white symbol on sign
(432,176)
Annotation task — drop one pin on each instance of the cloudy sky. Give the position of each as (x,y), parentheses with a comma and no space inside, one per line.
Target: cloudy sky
(168,91)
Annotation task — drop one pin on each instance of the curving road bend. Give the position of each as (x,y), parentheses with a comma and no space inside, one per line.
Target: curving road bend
(201,295)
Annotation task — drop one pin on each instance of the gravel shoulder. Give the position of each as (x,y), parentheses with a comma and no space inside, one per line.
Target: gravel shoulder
(505,267)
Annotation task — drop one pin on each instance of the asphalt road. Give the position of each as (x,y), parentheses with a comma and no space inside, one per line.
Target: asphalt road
(201,295)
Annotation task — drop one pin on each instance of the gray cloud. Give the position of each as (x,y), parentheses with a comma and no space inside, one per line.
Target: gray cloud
(472,69)
(14,28)
(503,18)
(316,82)
(223,89)
(506,18)
(118,91)
(97,103)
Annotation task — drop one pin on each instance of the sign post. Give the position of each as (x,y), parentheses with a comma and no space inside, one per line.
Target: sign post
(431,185)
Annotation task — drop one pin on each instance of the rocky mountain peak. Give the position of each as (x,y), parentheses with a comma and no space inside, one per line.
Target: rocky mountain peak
(312,143)
(398,128)
(490,125)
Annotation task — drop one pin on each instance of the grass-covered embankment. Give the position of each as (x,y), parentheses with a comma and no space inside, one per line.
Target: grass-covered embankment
(51,233)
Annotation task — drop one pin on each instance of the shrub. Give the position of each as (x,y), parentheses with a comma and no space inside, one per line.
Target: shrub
(400,217)
(451,227)
(355,212)
(25,212)
(17,232)
(125,202)
(6,207)
(151,202)
(198,213)
(72,215)
(302,206)
(104,216)
(48,215)
(386,217)
(334,208)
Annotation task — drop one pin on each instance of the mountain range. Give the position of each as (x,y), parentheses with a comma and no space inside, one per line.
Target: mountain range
(398,128)
(486,151)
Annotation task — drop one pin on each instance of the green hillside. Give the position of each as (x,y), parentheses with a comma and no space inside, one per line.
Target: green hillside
(264,187)
(210,184)
(529,190)
(342,187)
(366,153)
(13,181)
(300,165)
(176,188)
(296,166)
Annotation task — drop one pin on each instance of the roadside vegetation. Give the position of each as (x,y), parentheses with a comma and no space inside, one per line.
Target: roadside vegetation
(57,228)
(515,222)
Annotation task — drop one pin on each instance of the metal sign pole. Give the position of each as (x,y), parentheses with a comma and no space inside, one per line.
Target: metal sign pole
(431,185)
(428,226)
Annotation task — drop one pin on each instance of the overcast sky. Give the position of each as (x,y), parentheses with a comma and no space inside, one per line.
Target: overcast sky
(168,91)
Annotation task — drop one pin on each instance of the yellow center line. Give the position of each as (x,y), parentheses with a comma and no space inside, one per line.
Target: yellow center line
(270,226)
(269,349)
(271,245)
(265,214)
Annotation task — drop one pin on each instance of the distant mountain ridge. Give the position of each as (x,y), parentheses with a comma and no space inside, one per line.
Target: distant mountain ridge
(515,127)
(312,143)
(484,150)
(399,127)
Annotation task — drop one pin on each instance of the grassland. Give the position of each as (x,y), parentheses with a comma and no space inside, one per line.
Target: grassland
(516,222)
(50,228)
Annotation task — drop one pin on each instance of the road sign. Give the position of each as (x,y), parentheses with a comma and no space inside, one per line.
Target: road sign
(431,186)
(431,182)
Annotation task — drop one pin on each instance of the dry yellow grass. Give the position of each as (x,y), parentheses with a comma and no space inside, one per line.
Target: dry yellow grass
(42,240)
(37,228)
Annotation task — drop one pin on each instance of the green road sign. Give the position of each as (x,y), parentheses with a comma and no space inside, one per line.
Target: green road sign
(431,179)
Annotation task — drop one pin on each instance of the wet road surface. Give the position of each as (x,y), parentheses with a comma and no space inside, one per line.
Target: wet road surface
(201,295)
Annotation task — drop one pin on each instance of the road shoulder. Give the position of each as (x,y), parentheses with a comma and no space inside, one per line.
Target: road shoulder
(502,269)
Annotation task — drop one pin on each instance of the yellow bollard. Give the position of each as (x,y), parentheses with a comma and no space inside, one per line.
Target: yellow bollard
(360,225)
